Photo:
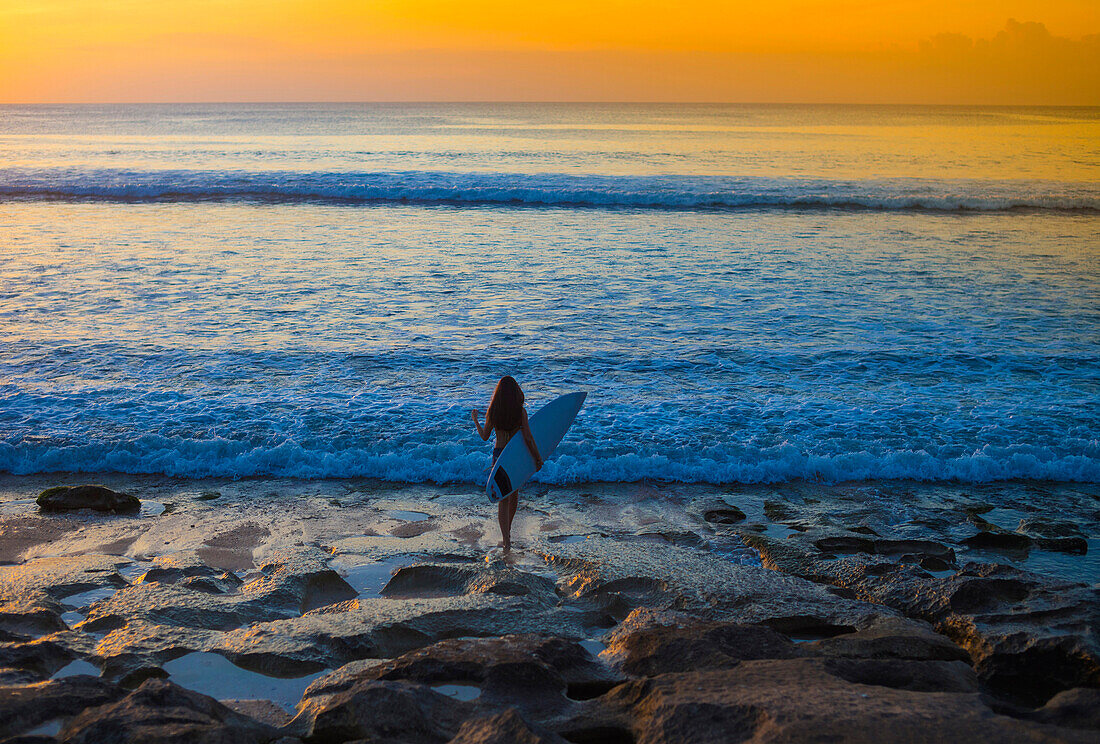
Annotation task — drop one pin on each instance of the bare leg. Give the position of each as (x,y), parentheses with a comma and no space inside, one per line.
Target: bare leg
(506,512)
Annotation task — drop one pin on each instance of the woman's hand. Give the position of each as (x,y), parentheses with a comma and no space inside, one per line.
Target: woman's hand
(538,464)
(475,414)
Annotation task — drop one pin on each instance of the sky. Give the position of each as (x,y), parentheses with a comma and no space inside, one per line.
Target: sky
(798,51)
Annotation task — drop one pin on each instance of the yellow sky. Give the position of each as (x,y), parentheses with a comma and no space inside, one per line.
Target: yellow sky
(777,50)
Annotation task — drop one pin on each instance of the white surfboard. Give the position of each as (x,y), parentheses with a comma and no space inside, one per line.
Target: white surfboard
(515,464)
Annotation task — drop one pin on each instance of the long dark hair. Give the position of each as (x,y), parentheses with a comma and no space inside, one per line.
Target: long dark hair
(506,407)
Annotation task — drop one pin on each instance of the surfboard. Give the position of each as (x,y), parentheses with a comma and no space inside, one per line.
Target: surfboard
(548,425)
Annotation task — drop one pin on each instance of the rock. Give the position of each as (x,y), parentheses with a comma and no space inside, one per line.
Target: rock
(906,674)
(159,711)
(533,673)
(1029,636)
(1078,708)
(99,498)
(799,700)
(23,707)
(641,648)
(264,711)
(724,514)
(138,649)
(890,638)
(503,728)
(778,511)
(1071,545)
(924,548)
(43,656)
(11,677)
(59,577)
(381,711)
(291,584)
(990,540)
(1052,528)
(389,628)
(434,580)
(617,577)
(845,545)
(30,616)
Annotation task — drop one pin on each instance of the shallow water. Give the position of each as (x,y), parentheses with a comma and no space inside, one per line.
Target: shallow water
(326,292)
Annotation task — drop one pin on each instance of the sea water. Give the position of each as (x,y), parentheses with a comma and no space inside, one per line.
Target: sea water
(747,293)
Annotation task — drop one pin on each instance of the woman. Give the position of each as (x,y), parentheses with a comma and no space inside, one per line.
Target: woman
(506,415)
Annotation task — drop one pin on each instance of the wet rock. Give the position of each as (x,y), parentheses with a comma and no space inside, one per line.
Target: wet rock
(778,511)
(99,498)
(264,711)
(930,563)
(532,673)
(43,656)
(1071,545)
(923,548)
(388,628)
(30,616)
(441,580)
(799,700)
(906,674)
(60,577)
(690,645)
(1051,528)
(138,649)
(159,711)
(724,515)
(23,707)
(10,676)
(382,711)
(1078,708)
(891,638)
(989,540)
(289,586)
(1029,636)
(845,545)
(620,577)
(503,728)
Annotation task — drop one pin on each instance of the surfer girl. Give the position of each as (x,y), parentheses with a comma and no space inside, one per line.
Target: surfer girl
(506,416)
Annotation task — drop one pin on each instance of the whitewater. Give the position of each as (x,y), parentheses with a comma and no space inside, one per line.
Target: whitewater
(748,294)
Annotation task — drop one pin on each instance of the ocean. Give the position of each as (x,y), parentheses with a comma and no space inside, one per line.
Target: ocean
(749,293)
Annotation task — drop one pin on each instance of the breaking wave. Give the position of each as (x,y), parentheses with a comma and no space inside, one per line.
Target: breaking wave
(544,190)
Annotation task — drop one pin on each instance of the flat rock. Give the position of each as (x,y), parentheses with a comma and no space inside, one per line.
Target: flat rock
(622,576)
(1077,708)
(642,647)
(23,707)
(394,712)
(535,674)
(388,628)
(59,577)
(99,498)
(503,728)
(159,711)
(1029,636)
(30,616)
(798,700)
(890,638)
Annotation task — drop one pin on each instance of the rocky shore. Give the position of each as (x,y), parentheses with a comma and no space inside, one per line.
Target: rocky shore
(317,612)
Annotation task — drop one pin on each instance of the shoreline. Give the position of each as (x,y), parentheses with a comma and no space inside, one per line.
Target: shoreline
(294,602)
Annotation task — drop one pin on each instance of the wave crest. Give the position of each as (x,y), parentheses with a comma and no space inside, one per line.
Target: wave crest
(544,190)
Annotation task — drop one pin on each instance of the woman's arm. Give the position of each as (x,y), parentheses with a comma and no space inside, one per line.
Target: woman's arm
(481,432)
(529,438)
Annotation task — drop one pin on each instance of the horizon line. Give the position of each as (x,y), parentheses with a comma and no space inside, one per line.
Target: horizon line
(546,102)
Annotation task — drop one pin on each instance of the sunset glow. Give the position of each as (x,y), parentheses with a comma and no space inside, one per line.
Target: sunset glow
(794,50)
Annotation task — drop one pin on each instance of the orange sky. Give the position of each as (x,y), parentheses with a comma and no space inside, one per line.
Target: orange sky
(701,50)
